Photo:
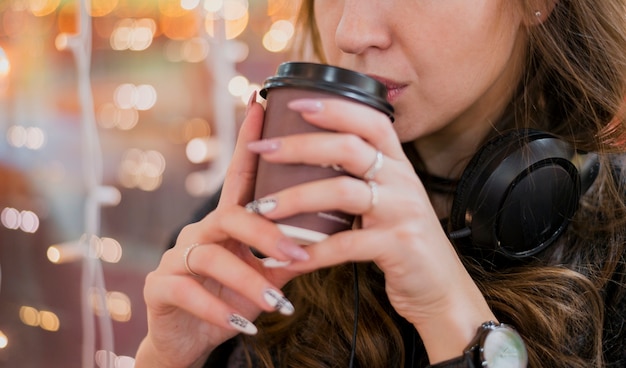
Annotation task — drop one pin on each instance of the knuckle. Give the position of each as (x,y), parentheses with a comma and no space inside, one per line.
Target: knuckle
(344,245)
(382,131)
(406,234)
(208,256)
(345,189)
(352,145)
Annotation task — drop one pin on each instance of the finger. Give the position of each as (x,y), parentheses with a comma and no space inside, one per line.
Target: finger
(214,262)
(188,295)
(248,228)
(389,248)
(349,151)
(350,117)
(342,193)
(240,175)
(347,246)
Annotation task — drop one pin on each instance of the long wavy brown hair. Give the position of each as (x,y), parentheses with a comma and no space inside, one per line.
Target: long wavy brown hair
(566,302)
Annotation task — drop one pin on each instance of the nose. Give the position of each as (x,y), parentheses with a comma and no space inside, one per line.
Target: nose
(362,26)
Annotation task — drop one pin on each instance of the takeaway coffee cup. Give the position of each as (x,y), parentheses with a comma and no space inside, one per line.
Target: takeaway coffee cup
(296,80)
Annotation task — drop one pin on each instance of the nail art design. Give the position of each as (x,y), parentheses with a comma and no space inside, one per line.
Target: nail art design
(279,302)
(271,262)
(335,167)
(242,324)
(262,205)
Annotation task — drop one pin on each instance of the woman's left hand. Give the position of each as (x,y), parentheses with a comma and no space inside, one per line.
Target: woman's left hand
(425,280)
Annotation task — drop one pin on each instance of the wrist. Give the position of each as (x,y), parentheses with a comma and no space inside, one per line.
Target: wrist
(447,333)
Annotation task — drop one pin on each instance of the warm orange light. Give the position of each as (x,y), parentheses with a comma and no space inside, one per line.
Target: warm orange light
(135,8)
(67,19)
(100,8)
(41,8)
(282,8)
(179,28)
(171,8)
(232,27)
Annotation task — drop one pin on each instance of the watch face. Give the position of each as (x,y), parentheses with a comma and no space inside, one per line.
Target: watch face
(504,348)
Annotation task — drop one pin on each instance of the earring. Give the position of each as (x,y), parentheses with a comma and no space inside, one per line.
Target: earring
(538,14)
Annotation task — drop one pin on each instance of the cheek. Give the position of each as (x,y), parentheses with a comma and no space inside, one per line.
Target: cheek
(327,16)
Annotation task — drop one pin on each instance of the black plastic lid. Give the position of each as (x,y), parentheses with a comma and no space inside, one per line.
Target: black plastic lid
(340,81)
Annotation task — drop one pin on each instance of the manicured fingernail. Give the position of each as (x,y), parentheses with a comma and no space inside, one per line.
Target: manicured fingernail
(292,250)
(251,100)
(271,262)
(242,324)
(264,146)
(279,302)
(335,167)
(306,105)
(261,205)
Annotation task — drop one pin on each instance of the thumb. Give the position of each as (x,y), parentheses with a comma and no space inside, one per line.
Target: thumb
(241,174)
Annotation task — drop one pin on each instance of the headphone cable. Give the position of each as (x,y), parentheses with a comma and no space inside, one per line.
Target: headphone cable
(461,233)
(356,314)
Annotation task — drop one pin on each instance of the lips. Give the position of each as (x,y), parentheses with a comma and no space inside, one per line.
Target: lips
(394,89)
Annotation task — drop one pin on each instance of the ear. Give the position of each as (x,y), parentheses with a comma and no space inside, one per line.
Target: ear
(537,11)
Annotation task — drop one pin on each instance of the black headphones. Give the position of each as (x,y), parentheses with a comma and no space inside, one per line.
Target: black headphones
(518,194)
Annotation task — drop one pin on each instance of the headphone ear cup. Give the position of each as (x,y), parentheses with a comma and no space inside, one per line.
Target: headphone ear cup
(473,175)
(517,194)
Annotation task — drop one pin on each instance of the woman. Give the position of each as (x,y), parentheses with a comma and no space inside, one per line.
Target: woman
(458,73)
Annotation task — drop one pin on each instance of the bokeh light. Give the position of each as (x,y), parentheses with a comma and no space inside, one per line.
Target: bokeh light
(45,319)
(279,36)
(182,27)
(101,8)
(107,359)
(142,170)
(49,321)
(110,116)
(29,137)
(133,34)
(201,150)
(4,340)
(14,219)
(233,15)
(189,4)
(41,8)
(29,316)
(128,96)
(5,64)
(238,85)
(117,304)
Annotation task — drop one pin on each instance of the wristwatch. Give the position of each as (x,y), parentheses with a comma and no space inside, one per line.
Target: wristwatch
(495,345)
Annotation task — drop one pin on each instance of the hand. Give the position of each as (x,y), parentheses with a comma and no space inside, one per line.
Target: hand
(201,296)
(425,280)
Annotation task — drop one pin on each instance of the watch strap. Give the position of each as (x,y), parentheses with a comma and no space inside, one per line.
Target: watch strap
(463,361)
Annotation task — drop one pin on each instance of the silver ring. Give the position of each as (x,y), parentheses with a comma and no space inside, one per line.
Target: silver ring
(373,169)
(374,191)
(186,259)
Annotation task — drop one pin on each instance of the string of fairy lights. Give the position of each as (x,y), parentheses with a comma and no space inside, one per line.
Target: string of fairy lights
(190,32)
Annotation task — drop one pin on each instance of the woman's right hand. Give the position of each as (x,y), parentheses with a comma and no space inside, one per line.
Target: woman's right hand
(189,315)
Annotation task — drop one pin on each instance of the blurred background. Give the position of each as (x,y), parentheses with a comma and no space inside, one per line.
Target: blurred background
(118,118)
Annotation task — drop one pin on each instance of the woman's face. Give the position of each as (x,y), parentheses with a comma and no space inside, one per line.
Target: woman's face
(449,65)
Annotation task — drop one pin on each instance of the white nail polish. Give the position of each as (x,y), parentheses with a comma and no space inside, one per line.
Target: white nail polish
(279,302)
(270,262)
(261,206)
(242,324)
